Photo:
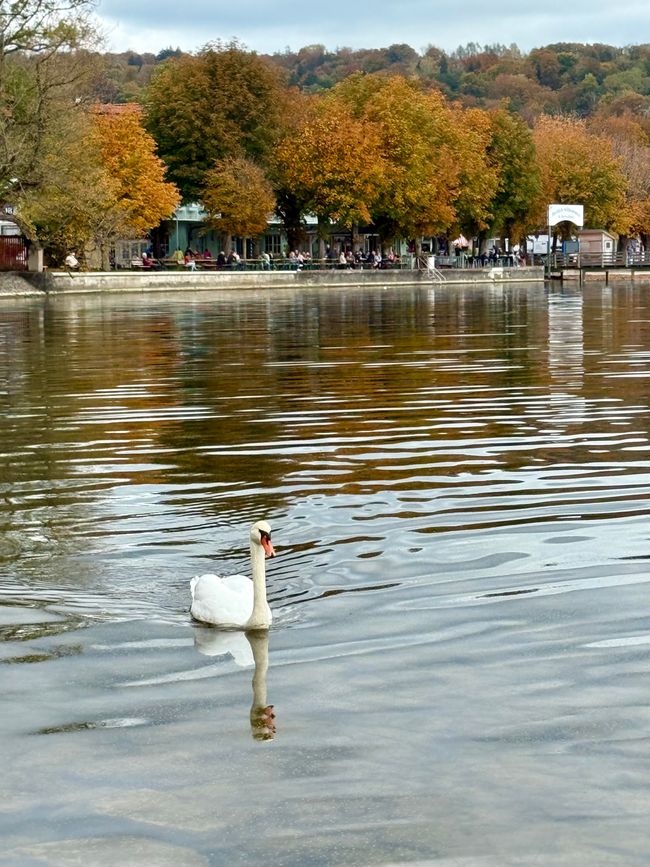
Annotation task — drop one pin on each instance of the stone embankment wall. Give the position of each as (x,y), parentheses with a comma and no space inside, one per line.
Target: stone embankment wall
(13,283)
(55,282)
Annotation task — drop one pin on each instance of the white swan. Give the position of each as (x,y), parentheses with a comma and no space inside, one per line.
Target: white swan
(236,602)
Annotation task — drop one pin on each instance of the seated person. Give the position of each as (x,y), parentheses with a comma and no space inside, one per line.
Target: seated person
(148,262)
(71,262)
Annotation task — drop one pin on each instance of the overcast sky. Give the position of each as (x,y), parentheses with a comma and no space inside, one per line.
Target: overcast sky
(267,26)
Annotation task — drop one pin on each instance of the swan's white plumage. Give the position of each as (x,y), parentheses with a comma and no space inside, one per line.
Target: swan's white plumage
(229,602)
(224,601)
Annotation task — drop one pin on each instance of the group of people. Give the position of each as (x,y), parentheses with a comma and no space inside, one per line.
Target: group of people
(189,258)
(297,259)
(349,258)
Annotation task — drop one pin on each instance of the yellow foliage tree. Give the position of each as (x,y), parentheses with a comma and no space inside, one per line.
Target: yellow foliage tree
(77,205)
(579,167)
(102,181)
(631,144)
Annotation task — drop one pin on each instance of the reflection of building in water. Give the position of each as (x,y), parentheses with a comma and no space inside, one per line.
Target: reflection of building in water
(566,356)
(246,649)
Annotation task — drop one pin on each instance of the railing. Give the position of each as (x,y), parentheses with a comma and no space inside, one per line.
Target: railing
(409,262)
(509,260)
(258,265)
(559,261)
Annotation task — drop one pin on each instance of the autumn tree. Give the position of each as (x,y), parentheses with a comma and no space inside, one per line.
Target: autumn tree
(128,152)
(331,163)
(524,95)
(77,205)
(224,101)
(103,181)
(630,143)
(576,166)
(238,198)
(421,176)
(471,135)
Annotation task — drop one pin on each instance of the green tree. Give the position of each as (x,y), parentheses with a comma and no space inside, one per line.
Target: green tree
(43,75)
(470,136)
(224,101)
(512,150)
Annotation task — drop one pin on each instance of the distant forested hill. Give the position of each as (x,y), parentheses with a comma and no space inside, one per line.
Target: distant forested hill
(565,78)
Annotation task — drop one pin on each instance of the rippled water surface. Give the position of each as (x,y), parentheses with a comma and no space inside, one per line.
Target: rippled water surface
(458,482)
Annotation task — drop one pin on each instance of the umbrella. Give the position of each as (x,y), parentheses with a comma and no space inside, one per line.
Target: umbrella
(461,241)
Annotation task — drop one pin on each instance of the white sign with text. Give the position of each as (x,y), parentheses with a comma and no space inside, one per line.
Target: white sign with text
(566,213)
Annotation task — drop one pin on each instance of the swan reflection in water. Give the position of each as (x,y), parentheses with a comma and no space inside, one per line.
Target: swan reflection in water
(247,649)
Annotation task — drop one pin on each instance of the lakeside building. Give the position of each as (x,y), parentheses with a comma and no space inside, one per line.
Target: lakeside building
(188,228)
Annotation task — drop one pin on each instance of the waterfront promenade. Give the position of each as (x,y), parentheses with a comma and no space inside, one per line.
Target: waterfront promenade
(65,282)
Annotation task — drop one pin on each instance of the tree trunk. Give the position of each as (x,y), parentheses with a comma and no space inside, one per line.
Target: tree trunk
(324,234)
(290,211)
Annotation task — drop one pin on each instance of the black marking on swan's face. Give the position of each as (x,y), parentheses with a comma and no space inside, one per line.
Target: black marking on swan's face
(265,541)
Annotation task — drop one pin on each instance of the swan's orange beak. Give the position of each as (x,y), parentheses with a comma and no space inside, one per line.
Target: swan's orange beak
(269,550)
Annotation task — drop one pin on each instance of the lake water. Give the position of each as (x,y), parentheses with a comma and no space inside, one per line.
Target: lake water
(458,481)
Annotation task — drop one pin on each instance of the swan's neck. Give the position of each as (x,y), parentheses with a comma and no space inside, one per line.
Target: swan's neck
(259,619)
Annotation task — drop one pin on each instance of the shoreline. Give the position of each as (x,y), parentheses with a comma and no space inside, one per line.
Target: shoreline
(47,283)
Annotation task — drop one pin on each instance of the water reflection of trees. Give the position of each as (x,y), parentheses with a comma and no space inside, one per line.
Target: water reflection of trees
(242,391)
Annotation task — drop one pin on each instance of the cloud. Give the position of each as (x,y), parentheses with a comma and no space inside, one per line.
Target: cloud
(269,28)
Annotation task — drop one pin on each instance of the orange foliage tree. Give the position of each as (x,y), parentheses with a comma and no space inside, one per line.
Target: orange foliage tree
(128,153)
(103,182)
(421,174)
(238,198)
(331,162)
(630,142)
